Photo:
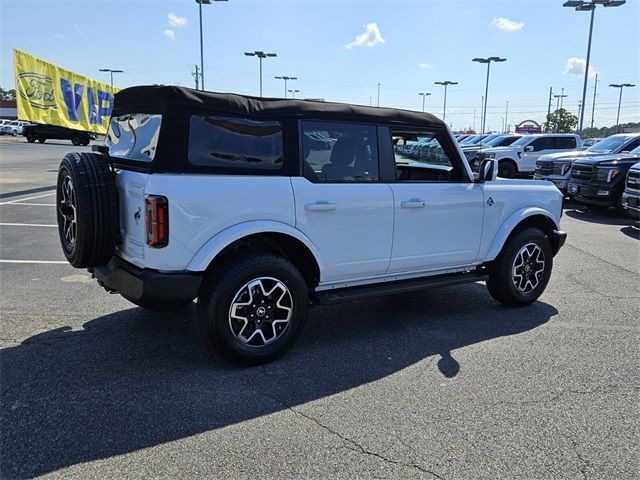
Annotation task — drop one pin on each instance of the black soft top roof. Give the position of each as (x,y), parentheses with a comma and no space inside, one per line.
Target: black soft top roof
(158,99)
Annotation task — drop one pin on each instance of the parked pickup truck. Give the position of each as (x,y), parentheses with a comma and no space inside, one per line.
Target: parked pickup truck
(520,157)
(600,181)
(556,167)
(43,133)
(631,194)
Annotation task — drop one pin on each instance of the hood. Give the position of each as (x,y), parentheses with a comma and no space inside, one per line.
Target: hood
(609,160)
(569,155)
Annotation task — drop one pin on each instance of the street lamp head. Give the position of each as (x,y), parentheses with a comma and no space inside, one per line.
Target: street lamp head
(572,3)
(497,59)
(481,60)
(585,7)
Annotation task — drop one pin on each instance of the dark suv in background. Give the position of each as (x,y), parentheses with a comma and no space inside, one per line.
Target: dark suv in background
(600,181)
(43,133)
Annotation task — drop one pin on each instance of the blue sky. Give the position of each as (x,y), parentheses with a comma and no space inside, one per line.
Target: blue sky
(411,45)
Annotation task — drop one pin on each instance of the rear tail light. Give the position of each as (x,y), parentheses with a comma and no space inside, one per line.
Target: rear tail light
(157,220)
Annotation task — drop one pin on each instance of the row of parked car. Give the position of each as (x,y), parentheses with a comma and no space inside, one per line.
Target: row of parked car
(606,174)
(41,133)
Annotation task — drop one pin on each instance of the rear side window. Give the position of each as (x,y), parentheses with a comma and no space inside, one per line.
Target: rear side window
(134,136)
(235,143)
(565,142)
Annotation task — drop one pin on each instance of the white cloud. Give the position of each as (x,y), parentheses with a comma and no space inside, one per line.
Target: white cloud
(170,34)
(176,21)
(576,66)
(506,25)
(424,66)
(369,38)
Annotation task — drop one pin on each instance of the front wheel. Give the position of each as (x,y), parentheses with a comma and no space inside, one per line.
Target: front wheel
(507,169)
(75,141)
(253,309)
(522,270)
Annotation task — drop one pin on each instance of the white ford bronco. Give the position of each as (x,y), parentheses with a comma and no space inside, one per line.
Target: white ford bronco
(225,199)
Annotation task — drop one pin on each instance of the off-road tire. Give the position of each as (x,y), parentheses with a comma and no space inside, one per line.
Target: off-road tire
(218,291)
(501,284)
(507,168)
(95,210)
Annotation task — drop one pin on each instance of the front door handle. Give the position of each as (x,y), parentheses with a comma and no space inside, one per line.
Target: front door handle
(413,203)
(320,207)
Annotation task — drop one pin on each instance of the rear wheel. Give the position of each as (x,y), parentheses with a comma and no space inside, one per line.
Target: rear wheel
(42,140)
(507,169)
(76,141)
(253,309)
(522,270)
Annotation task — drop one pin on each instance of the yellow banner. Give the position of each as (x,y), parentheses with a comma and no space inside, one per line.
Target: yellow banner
(46,93)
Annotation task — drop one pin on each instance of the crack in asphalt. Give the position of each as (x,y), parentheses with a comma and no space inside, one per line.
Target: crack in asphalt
(583,462)
(361,449)
(603,260)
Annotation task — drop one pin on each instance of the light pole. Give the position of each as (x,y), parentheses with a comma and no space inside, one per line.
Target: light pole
(506,117)
(446,83)
(293,92)
(260,54)
(584,6)
(378,93)
(285,78)
(488,61)
(200,2)
(620,86)
(423,95)
(111,72)
(559,99)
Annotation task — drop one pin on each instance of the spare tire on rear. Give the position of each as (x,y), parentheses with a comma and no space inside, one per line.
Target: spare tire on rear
(86,209)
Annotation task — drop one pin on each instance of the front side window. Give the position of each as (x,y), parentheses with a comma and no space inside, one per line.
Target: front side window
(134,136)
(339,152)
(419,156)
(542,143)
(235,143)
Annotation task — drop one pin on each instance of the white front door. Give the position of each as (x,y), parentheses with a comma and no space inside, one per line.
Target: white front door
(437,225)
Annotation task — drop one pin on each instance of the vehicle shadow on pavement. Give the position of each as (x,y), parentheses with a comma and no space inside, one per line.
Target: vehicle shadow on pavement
(134,379)
(632,231)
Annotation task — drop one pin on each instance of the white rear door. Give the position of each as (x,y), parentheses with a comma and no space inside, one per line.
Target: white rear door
(341,205)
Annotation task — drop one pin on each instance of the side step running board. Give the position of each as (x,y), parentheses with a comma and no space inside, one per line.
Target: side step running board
(331,297)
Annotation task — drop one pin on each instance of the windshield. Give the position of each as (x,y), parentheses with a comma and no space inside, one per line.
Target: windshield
(486,140)
(608,145)
(500,141)
(522,141)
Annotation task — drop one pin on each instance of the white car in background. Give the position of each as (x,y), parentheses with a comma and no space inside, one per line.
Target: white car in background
(13,128)
(520,157)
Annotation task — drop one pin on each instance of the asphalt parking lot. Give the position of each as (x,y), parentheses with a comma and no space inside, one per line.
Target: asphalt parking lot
(439,384)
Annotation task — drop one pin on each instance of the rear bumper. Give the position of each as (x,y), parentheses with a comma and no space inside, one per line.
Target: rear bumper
(147,285)
(557,239)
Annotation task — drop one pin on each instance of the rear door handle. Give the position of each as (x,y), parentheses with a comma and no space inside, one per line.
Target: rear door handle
(320,207)
(413,203)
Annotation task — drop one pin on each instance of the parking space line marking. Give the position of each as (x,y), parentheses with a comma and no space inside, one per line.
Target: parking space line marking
(55,262)
(35,204)
(28,198)
(26,225)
